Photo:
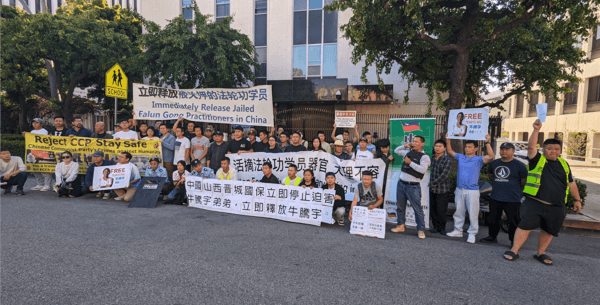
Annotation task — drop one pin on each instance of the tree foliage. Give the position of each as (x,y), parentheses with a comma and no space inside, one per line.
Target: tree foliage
(197,53)
(466,47)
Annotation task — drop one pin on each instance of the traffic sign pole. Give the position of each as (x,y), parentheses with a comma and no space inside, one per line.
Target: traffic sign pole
(115,111)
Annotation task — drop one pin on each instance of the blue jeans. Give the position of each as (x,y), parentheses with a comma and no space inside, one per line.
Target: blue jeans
(172,194)
(413,194)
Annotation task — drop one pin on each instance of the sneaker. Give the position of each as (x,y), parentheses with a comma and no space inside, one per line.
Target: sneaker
(20,192)
(56,188)
(37,187)
(471,239)
(106,196)
(98,195)
(8,190)
(340,222)
(421,234)
(119,198)
(455,234)
(398,229)
(45,189)
(489,240)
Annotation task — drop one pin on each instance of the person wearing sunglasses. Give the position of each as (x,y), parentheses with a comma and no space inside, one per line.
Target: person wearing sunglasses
(68,182)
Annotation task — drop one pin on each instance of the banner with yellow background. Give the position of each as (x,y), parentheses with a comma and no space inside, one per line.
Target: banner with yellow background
(42,152)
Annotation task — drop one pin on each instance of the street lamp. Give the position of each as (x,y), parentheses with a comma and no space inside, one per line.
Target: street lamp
(338,95)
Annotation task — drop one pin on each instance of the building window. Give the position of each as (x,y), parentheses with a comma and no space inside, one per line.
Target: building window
(187,9)
(519,108)
(38,6)
(593,101)
(260,40)
(12,3)
(570,104)
(551,102)
(222,9)
(596,43)
(315,40)
(533,100)
(58,3)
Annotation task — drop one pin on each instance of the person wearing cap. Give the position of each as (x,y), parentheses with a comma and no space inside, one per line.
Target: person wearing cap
(367,136)
(238,144)
(226,172)
(268,176)
(296,145)
(338,151)
(361,152)
(128,192)
(368,193)
(125,133)
(339,203)
(77,129)
(43,179)
(167,143)
(216,151)
(198,170)
(68,182)
(208,133)
(97,160)
(252,140)
(508,176)
(156,170)
(199,145)
(291,178)
(413,169)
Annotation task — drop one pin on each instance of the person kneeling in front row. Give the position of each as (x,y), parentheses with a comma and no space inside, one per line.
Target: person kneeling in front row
(127,192)
(13,172)
(68,182)
(97,160)
(368,193)
(339,203)
(226,172)
(157,170)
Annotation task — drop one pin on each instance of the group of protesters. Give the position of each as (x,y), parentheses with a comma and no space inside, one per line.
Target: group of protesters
(531,198)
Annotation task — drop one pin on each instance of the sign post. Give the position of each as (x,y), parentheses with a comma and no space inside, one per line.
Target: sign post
(116,85)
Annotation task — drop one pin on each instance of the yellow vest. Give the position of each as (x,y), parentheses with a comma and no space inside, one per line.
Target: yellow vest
(534,176)
(296,181)
(226,177)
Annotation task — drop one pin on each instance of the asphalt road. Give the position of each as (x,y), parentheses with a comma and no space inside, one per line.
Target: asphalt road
(93,251)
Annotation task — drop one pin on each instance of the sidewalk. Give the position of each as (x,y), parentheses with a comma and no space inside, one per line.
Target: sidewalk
(589,218)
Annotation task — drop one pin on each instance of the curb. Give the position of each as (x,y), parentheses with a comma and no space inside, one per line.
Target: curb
(581,221)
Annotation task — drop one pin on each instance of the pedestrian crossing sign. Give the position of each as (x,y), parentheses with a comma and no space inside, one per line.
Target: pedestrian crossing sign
(116,82)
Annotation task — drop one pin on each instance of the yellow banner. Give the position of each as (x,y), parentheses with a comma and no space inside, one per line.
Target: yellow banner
(43,152)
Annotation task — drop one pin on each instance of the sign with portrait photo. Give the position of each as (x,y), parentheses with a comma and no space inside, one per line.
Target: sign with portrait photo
(468,124)
(111,177)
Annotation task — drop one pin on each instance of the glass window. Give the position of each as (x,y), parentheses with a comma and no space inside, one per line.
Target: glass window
(260,7)
(327,2)
(300,28)
(59,3)
(38,6)
(330,59)
(222,1)
(299,5)
(223,10)
(571,98)
(315,21)
(594,90)
(314,55)
(12,3)
(315,4)
(261,55)
(49,5)
(263,70)
(188,13)
(330,27)
(314,70)
(260,30)
(299,61)
(186,3)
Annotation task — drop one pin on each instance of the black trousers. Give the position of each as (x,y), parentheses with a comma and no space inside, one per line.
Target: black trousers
(76,188)
(438,205)
(512,214)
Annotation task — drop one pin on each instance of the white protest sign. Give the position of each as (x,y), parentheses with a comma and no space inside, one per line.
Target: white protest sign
(468,124)
(111,177)
(248,106)
(542,110)
(347,173)
(345,119)
(368,222)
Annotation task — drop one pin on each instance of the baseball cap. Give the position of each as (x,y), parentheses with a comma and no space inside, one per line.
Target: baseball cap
(329,174)
(209,129)
(195,162)
(238,127)
(507,145)
(252,132)
(154,159)
(363,139)
(338,143)
(367,173)
(218,133)
(38,120)
(98,153)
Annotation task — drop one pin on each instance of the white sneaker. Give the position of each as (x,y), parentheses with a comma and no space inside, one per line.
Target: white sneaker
(106,196)
(37,187)
(455,234)
(119,198)
(471,239)
(45,189)
(3,183)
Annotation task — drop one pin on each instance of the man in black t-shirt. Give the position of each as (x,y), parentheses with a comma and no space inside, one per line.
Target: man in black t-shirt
(60,130)
(262,143)
(339,203)
(238,143)
(549,180)
(268,174)
(296,145)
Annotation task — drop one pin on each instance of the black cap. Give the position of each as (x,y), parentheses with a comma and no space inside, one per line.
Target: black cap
(507,145)
(238,127)
(154,159)
(363,139)
(367,173)
(218,133)
(329,174)
(195,162)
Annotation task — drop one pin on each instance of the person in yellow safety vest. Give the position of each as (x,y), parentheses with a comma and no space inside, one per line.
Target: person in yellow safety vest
(291,178)
(549,181)
(226,172)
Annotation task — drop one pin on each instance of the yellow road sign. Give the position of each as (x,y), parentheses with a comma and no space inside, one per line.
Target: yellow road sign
(116,82)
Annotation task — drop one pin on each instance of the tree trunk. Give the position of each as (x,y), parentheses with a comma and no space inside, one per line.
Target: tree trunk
(23,125)
(457,90)
(52,80)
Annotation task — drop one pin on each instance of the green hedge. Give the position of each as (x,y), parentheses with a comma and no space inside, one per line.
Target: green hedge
(582,187)
(15,143)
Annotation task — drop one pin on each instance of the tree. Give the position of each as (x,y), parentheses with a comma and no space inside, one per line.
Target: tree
(190,54)
(464,47)
(23,73)
(83,40)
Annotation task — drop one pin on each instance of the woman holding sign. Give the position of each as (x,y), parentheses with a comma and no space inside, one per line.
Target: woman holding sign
(459,129)
(68,182)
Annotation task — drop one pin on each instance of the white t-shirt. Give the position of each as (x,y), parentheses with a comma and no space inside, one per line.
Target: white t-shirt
(456,130)
(41,131)
(177,176)
(126,135)
(180,146)
(363,155)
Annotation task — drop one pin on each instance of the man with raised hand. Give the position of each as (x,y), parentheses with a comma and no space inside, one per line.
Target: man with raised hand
(549,183)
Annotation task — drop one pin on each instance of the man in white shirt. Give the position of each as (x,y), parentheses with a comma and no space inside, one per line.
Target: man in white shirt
(12,172)
(44,179)
(125,133)
(362,153)
(199,145)
(413,169)
(182,147)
